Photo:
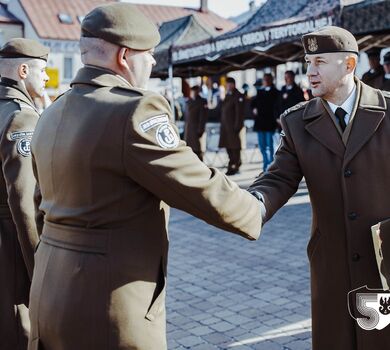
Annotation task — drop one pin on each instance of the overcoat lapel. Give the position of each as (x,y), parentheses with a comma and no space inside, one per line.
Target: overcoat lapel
(369,115)
(321,127)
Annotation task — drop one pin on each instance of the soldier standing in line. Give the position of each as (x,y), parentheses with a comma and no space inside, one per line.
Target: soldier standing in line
(232,126)
(109,163)
(386,67)
(23,78)
(374,76)
(195,122)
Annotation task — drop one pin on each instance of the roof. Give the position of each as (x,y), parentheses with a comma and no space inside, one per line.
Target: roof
(44,18)
(159,14)
(8,17)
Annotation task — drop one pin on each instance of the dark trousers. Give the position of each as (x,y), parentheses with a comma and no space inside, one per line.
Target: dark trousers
(234,158)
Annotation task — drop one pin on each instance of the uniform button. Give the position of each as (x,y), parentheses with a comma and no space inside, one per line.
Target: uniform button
(355,257)
(352,216)
(347,173)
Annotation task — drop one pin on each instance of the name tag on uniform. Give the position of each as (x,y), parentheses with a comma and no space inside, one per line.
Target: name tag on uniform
(153,122)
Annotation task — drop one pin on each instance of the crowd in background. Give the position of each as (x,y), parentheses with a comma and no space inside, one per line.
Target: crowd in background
(225,104)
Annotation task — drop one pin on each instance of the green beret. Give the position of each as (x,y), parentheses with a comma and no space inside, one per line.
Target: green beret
(121,24)
(329,39)
(20,47)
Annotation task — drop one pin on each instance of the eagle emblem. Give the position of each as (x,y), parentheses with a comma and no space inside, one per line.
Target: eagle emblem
(312,44)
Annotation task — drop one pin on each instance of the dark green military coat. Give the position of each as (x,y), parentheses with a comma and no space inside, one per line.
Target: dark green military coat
(109,163)
(18,233)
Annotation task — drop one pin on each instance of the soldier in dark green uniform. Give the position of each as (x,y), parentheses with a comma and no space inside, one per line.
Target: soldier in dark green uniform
(23,77)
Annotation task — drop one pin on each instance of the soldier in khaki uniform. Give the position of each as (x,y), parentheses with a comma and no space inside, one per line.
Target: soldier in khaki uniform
(232,126)
(340,142)
(196,117)
(23,77)
(109,164)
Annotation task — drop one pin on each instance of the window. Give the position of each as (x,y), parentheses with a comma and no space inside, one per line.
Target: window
(68,68)
(80,18)
(65,18)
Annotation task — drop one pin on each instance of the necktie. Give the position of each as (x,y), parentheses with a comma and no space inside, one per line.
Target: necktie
(340,115)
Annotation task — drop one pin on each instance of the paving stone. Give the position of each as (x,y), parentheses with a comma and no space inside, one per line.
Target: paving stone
(223,289)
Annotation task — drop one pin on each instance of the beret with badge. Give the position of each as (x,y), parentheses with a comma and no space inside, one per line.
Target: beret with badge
(329,39)
(121,24)
(20,47)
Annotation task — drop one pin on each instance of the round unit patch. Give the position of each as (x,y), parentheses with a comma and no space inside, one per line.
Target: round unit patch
(24,147)
(166,136)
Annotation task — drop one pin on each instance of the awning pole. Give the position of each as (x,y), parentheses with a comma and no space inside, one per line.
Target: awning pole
(170,77)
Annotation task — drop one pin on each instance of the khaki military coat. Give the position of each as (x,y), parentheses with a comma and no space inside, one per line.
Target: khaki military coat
(195,123)
(232,121)
(349,187)
(18,233)
(109,164)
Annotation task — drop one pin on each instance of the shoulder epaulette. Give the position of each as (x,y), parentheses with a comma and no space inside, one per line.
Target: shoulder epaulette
(294,108)
(24,105)
(386,93)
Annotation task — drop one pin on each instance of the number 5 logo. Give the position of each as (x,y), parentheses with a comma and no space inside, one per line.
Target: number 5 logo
(368,308)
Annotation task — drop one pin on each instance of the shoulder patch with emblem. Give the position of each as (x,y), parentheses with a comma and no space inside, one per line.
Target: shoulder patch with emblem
(166,136)
(294,108)
(23,142)
(153,122)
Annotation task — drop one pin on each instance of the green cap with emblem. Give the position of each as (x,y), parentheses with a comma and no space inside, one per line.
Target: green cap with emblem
(329,39)
(20,47)
(121,24)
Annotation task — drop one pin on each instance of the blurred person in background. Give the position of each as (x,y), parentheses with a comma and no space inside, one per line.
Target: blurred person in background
(265,110)
(386,67)
(374,76)
(232,125)
(195,122)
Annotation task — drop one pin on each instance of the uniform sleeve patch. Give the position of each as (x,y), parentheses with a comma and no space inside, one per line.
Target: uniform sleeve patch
(153,122)
(20,134)
(23,142)
(166,136)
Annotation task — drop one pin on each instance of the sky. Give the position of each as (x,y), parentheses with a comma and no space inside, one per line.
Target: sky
(224,8)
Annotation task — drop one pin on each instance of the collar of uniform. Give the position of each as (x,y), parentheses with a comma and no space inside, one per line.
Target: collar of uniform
(92,75)
(368,98)
(348,104)
(11,89)
(371,98)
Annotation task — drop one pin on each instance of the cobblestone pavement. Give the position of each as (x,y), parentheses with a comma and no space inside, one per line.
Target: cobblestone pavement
(225,292)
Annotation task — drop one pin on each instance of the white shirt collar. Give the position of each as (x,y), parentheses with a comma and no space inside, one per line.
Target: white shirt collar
(347,105)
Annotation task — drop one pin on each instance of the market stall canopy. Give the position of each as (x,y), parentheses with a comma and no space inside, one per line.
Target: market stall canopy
(369,21)
(270,37)
(179,32)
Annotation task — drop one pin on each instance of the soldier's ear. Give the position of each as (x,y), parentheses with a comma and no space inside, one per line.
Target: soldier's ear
(351,63)
(23,70)
(122,56)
